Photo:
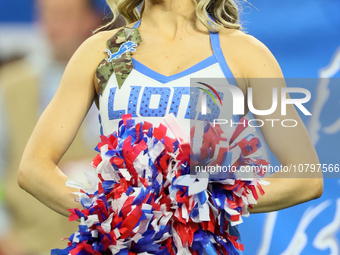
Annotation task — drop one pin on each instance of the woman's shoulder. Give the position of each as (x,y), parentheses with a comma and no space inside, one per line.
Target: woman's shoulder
(248,54)
(239,36)
(89,55)
(92,51)
(98,41)
(104,36)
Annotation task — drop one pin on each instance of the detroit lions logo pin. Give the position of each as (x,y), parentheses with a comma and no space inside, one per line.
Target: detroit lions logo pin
(125,47)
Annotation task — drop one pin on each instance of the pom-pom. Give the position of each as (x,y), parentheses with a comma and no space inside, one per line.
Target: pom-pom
(153,194)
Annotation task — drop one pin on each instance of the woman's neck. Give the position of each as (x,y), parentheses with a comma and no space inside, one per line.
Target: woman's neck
(169,17)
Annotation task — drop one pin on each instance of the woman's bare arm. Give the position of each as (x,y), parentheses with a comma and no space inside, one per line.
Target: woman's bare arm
(291,145)
(57,127)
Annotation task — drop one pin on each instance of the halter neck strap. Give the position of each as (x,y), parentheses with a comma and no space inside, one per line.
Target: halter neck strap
(137,24)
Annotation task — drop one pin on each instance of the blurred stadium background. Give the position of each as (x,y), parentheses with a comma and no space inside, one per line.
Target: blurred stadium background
(304,36)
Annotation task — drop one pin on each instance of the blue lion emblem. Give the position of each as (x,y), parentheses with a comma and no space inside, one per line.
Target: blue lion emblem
(125,47)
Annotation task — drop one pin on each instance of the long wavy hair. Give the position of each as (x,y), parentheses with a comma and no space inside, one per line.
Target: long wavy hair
(214,14)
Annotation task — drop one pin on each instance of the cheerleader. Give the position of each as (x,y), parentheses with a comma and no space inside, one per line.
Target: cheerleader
(136,73)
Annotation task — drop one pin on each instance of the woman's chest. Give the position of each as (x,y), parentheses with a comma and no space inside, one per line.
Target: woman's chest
(174,56)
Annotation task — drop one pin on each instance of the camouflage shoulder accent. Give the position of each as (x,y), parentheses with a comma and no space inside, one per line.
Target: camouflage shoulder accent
(116,40)
(123,63)
(132,34)
(119,59)
(103,73)
(105,68)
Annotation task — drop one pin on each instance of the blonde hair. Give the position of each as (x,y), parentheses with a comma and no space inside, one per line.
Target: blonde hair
(214,14)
